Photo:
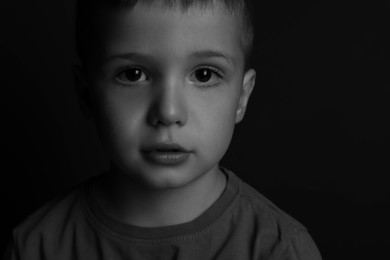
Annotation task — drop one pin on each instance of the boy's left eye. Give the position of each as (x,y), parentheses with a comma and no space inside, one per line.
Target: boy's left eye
(206,76)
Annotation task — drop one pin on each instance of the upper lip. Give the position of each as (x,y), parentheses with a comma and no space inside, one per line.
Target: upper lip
(165,147)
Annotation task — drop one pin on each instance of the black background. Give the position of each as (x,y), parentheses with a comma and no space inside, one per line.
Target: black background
(315,139)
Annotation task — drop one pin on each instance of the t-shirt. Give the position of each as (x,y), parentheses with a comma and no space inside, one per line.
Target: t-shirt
(242,224)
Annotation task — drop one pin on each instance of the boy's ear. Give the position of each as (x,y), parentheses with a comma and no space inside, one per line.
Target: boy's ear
(247,87)
(82,90)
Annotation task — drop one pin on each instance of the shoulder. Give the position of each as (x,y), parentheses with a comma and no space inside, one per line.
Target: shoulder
(50,224)
(277,234)
(51,213)
(266,212)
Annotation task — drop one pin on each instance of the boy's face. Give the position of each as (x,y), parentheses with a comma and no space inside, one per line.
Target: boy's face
(168,90)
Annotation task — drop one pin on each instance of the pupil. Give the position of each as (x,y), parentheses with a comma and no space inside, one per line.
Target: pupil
(203,75)
(133,74)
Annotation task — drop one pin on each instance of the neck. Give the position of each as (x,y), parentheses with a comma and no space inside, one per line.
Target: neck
(131,203)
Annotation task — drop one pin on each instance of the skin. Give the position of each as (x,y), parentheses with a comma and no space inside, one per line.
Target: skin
(166,103)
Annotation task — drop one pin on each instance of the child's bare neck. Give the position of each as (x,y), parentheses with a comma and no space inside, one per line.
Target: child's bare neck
(131,204)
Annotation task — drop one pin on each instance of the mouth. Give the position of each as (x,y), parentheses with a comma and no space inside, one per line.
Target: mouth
(169,154)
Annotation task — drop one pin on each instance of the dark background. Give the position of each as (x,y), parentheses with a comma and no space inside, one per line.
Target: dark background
(315,139)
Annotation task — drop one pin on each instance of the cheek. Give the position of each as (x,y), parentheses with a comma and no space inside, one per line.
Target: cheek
(117,118)
(219,126)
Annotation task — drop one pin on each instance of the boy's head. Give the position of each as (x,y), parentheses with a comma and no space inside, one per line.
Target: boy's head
(167,85)
(90,18)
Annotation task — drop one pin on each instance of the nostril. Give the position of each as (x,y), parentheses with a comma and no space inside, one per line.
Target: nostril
(159,118)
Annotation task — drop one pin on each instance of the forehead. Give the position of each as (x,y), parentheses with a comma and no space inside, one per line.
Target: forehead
(160,31)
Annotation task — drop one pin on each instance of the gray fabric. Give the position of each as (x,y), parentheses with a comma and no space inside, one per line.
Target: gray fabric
(241,224)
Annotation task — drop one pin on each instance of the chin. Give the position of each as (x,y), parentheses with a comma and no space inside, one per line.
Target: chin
(164,178)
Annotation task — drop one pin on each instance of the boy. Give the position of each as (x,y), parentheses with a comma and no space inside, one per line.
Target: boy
(166,82)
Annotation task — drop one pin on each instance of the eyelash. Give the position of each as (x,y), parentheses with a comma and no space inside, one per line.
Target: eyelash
(123,70)
(214,70)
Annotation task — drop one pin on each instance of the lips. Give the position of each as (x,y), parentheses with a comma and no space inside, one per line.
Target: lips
(169,154)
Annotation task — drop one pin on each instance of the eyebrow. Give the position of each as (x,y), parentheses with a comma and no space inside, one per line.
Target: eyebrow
(212,54)
(198,54)
(128,56)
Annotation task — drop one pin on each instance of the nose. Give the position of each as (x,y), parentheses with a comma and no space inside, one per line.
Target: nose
(168,107)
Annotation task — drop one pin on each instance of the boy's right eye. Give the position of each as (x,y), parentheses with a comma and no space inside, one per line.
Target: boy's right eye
(132,75)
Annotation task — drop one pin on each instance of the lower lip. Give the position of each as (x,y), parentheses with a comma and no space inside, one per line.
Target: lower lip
(167,158)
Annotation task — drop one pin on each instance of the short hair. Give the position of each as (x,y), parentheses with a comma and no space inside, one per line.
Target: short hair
(85,9)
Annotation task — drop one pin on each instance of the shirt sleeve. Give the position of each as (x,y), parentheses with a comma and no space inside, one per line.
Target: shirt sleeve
(301,247)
